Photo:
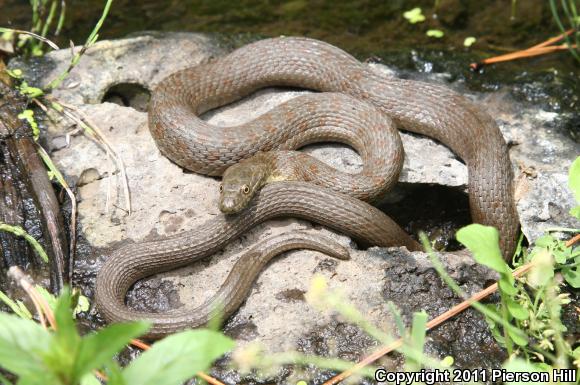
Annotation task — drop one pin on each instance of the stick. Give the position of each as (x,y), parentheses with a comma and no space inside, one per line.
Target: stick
(430,325)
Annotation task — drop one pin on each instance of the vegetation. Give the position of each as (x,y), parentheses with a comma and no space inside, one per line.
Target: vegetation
(566,18)
(61,356)
(526,321)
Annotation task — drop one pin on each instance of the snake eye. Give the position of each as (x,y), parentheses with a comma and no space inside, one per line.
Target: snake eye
(221,188)
(245,189)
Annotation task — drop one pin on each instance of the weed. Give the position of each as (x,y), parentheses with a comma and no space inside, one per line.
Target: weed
(63,357)
(568,8)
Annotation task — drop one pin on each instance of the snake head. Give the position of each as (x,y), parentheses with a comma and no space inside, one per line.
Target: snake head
(240,183)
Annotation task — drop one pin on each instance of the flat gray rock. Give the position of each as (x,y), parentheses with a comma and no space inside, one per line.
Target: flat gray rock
(167,200)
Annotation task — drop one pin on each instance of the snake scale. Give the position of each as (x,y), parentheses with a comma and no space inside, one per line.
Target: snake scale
(385,103)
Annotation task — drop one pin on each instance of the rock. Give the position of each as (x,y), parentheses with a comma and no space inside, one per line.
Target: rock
(167,200)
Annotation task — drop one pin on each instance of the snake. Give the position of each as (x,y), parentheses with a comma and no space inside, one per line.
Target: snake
(384,103)
(366,224)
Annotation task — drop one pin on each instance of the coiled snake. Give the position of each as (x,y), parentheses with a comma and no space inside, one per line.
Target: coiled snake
(357,105)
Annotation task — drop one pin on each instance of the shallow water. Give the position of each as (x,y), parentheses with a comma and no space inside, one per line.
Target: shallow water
(370,29)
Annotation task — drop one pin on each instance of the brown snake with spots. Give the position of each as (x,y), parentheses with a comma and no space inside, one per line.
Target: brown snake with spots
(426,109)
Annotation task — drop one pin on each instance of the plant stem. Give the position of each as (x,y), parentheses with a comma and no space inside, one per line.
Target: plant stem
(77,56)
(556,15)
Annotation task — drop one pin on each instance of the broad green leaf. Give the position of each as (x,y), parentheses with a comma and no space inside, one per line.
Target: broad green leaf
(39,378)
(89,379)
(560,256)
(60,359)
(518,336)
(177,358)
(98,348)
(483,242)
(66,333)
(574,178)
(572,276)
(545,240)
(21,341)
(114,374)
(506,284)
(516,310)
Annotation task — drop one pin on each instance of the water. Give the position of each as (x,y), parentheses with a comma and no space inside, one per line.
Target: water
(369,29)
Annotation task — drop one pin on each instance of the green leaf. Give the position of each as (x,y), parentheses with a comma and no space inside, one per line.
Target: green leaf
(114,374)
(414,16)
(28,115)
(417,340)
(16,73)
(469,41)
(398,318)
(16,306)
(98,348)
(517,336)
(60,359)
(89,379)
(545,240)
(31,92)
(20,232)
(507,285)
(66,333)
(575,212)
(516,310)
(447,361)
(48,297)
(21,341)
(83,305)
(177,358)
(574,178)
(483,242)
(436,33)
(572,276)
(518,365)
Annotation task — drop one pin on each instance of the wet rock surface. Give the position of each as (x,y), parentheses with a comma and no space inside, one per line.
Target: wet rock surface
(110,88)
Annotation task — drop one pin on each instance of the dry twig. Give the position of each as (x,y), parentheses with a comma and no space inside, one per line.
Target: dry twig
(42,307)
(430,325)
(93,132)
(536,50)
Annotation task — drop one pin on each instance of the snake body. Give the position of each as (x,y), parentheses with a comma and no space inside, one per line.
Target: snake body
(180,133)
(427,109)
(366,224)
